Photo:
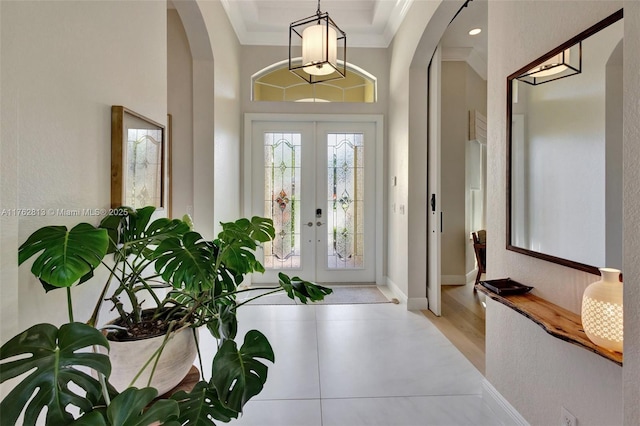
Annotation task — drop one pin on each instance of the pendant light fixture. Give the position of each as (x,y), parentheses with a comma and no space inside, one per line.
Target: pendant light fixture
(317,48)
(566,63)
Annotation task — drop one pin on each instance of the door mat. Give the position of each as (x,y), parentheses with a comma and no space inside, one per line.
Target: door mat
(342,295)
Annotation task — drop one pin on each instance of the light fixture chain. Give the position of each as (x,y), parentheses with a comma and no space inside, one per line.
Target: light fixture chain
(318,11)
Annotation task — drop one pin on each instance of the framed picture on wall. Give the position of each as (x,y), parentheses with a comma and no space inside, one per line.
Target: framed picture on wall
(137,160)
(169,137)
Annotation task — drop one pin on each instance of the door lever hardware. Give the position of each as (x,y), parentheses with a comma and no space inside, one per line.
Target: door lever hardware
(318,223)
(309,224)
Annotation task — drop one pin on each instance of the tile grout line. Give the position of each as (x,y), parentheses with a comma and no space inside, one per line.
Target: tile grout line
(474,395)
(315,318)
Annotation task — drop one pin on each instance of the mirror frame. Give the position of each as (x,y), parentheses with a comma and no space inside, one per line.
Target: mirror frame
(580,37)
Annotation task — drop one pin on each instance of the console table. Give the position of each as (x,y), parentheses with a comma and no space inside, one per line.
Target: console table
(555,320)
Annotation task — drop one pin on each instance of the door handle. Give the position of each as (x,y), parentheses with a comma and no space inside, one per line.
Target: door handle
(319,223)
(309,224)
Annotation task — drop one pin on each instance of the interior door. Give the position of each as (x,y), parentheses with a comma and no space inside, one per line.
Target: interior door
(317,182)
(345,191)
(434,281)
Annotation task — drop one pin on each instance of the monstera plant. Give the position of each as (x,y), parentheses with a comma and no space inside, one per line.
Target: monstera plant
(190,283)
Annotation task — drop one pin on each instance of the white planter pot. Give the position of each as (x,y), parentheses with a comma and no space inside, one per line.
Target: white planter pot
(127,358)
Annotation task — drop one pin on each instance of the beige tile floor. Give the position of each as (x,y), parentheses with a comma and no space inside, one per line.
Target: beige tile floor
(353,365)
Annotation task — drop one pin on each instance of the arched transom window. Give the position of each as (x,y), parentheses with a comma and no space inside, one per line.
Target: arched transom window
(277,83)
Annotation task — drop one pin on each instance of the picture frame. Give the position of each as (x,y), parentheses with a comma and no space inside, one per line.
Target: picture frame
(138,160)
(169,136)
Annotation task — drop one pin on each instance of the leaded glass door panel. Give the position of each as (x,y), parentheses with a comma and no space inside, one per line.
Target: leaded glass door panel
(316,181)
(345,190)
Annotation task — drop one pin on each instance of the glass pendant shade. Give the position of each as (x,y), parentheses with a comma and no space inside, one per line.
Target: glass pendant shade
(319,50)
(553,66)
(602,317)
(566,63)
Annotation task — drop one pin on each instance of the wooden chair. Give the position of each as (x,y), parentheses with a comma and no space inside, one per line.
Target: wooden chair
(480,248)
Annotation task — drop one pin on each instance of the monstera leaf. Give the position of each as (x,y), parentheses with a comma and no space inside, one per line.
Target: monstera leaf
(187,263)
(199,406)
(93,418)
(223,325)
(239,240)
(239,375)
(128,226)
(258,229)
(51,363)
(66,255)
(129,409)
(303,290)
(131,229)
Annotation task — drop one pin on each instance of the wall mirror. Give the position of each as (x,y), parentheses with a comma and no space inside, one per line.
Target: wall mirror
(564,160)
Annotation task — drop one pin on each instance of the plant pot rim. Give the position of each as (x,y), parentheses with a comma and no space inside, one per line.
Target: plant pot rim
(109,333)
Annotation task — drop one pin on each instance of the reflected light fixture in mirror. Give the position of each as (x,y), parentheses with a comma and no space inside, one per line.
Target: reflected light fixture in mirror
(323,48)
(564,181)
(566,63)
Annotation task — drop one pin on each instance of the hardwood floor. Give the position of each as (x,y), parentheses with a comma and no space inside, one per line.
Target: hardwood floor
(462,321)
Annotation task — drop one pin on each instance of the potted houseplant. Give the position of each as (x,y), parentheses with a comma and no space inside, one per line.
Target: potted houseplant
(69,368)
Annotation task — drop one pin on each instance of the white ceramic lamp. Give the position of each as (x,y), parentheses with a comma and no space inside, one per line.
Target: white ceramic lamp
(602,310)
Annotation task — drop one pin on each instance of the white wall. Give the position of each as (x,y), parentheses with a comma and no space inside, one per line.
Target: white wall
(476,100)
(512,345)
(402,48)
(543,373)
(462,90)
(64,64)
(227,114)
(180,106)
(215,51)
(8,200)
(455,132)
(411,50)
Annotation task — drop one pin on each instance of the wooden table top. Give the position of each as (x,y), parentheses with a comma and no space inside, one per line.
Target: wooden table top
(555,320)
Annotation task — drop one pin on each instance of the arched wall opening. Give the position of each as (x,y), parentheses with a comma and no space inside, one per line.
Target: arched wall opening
(200,178)
(411,52)
(216,114)
(276,83)
(419,192)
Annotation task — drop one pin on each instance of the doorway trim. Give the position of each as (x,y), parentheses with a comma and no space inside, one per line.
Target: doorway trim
(376,119)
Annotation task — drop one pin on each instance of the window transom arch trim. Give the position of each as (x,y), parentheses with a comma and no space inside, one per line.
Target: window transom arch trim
(276,83)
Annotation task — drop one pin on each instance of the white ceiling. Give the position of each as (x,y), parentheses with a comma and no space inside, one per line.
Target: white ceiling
(458,45)
(368,23)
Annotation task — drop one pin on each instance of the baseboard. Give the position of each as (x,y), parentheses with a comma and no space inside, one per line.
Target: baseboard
(398,294)
(500,406)
(453,280)
(471,275)
(413,303)
(417,303)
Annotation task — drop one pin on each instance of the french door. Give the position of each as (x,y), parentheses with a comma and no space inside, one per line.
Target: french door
(316,180)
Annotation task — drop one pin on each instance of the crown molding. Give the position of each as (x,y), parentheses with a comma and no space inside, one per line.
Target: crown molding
(468,55)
